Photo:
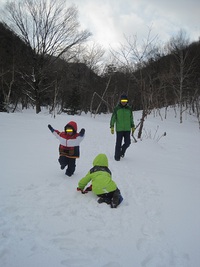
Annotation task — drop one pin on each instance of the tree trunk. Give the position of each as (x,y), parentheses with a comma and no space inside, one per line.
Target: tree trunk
(37,105)
(141,124)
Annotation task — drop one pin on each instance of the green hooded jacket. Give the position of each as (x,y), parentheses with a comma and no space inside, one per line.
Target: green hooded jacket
(99,176)
(123,117)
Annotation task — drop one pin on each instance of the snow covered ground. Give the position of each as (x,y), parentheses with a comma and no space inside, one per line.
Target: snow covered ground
(45,222)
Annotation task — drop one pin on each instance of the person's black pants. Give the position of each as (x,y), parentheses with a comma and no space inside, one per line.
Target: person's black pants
(119,148)
(114,198)
(69,162)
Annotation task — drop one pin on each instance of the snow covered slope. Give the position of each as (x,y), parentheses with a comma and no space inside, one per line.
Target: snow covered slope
(45,222)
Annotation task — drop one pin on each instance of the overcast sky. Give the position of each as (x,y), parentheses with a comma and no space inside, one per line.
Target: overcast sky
(110,20)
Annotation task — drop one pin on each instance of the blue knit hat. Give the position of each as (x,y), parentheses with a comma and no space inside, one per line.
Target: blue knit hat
(124,97)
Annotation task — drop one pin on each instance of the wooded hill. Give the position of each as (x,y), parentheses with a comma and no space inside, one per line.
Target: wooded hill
(160,81)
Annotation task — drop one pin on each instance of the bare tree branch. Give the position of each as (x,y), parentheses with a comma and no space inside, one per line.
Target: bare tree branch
(51,30)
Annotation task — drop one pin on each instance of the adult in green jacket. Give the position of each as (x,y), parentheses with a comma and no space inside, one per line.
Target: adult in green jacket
(122,118)
(101,181)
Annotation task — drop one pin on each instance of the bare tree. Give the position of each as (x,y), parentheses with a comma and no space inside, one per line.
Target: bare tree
(102,100)
(183,67)
(51,30)
(134,56)
(7,92)
(92,56)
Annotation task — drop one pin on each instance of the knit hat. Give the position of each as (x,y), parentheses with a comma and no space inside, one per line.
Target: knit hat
(123,97)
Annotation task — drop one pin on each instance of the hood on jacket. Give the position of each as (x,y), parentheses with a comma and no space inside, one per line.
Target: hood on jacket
(73,125)
(101,160)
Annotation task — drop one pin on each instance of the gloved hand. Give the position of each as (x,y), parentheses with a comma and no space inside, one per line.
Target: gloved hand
(89,188)
(112,130)
(82,132)
(81,190)
(50,128)
(132,130)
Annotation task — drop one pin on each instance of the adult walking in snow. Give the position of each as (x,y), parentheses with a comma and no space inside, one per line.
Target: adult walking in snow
(123,118)
(69,146)
(101,181)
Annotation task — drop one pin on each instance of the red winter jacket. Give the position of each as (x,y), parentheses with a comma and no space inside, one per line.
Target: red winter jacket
(69,143)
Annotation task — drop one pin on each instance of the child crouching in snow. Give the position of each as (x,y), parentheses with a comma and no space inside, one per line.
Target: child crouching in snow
(69,146)
(101,182)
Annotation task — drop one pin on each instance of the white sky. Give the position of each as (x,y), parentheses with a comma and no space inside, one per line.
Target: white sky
(110,20)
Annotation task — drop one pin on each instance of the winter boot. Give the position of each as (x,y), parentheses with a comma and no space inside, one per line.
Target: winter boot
(122,153)
(117,199)
(68,173)
(117,159)
(104,199)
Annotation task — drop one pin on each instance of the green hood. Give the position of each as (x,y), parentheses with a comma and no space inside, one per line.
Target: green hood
(101,160)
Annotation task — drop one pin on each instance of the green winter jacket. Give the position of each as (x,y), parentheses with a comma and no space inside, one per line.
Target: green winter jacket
(99,176)
(123,117)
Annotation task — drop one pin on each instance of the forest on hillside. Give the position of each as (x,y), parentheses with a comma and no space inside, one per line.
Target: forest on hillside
(46,61)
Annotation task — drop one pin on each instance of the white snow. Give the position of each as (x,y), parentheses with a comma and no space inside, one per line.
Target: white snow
(45,222)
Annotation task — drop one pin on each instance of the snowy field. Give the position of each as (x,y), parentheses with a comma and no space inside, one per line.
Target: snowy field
(45,222)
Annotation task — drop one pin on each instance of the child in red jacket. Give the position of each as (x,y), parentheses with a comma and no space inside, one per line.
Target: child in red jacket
(69,146)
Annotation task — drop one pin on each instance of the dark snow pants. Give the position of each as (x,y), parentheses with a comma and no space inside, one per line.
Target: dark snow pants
(69,162)
(114,198)
(119,148)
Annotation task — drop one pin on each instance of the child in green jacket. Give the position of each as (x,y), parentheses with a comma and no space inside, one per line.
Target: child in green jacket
(101,182)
